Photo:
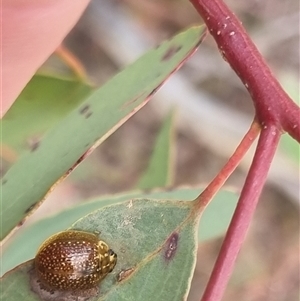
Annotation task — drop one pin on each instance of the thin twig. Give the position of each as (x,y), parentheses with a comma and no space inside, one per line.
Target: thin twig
(204,198)
(242,217)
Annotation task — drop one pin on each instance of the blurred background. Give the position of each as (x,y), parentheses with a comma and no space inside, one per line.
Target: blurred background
(213,112)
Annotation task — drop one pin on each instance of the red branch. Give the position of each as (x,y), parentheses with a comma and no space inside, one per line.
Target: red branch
(208,193)
(275,112)
(236,233)
(272,104)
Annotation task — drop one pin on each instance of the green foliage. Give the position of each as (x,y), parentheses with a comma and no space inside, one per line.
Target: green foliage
(155,234)
(162,258)
(65,145)
(159,172)
(213,223)
(288,145)
(291,148)
(43,102)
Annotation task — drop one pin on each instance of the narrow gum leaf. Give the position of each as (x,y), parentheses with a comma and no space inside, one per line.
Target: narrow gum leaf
(213,223)
(156,239)
(159,172)
(64,146)
(44,102)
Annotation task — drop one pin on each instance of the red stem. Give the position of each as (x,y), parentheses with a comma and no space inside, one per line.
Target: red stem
(272,104)
(275,112)
(241,219)
(207,194)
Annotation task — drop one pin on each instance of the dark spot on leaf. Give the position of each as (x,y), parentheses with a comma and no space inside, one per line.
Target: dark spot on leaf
(4,181)
(124,274)
(30,208)
(20,224)
(34,143)
(35,146)
(88,114)
(132,101)
(171,52)
(155,90)
(171,246)
(122,250)
(84,109)
(85,154)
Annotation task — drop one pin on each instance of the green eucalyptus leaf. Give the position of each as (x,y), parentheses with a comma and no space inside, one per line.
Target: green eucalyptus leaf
(159,172)
(213,223)
(291,149)
(15,286)
(43,102)
(64,146)
(155,239)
